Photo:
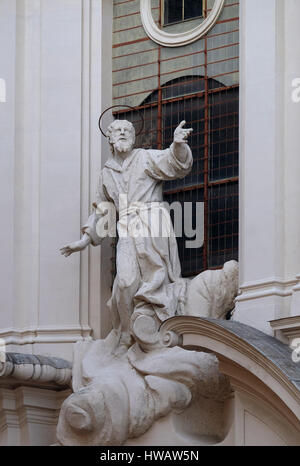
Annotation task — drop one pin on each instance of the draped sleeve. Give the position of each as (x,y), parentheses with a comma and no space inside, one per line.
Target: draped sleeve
(98,213)
(165,165)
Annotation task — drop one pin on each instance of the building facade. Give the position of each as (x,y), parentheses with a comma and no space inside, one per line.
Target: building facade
(231,70)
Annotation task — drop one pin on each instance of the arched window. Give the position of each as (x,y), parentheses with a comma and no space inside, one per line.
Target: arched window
(212,110)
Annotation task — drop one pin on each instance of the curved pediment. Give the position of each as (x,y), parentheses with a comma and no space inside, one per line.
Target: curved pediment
(254,361)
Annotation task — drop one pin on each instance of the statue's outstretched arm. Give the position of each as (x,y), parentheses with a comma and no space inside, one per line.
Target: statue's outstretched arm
(180,148)
(76,246)
(89,230)
(175,162)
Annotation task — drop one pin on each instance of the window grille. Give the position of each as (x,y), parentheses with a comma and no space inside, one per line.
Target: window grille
(198,83)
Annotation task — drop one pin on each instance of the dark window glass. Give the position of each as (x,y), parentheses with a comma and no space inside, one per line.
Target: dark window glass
(173,10)
(193,8)
(222,224)
(224,135)
(180,10)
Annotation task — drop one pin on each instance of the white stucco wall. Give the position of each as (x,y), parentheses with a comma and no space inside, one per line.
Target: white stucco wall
(51,153)
(57,72)
(269,161)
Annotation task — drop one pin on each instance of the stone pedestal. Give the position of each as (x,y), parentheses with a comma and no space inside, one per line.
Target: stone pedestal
(32,389)
(28,416)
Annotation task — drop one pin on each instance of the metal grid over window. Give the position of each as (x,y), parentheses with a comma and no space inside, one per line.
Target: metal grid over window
(197,83)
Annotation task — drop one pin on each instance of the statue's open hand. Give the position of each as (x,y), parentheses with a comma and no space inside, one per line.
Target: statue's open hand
(74,247)
(181,134)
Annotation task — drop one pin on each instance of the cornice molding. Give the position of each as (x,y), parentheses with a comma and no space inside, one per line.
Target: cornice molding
(35,370)
(167,39)
(266,288)
(289,327)
(32,335)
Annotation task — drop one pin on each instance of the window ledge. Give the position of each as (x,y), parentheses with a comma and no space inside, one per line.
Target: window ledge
(183,21)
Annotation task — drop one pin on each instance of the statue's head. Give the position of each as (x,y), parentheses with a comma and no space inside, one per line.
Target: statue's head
(121,135)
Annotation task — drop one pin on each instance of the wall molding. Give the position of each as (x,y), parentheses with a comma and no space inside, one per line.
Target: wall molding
(167,39)
(33,335)
(266,288)
(29,415)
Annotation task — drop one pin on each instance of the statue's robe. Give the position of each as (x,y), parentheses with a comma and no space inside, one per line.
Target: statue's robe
(148,279)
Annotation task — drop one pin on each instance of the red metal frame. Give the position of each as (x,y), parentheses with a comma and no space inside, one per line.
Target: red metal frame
(215,140)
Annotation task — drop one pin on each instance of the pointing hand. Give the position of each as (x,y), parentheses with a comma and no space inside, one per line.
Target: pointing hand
(181,134)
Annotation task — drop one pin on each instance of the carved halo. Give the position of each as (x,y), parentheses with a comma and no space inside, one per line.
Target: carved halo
(167,39)
(125,106)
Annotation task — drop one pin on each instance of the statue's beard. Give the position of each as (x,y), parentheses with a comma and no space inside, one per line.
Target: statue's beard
(123,146)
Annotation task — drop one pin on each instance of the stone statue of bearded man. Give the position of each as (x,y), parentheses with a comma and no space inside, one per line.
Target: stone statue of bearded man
(148,288)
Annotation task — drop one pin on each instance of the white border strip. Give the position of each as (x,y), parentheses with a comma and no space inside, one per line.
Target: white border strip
(166,39)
